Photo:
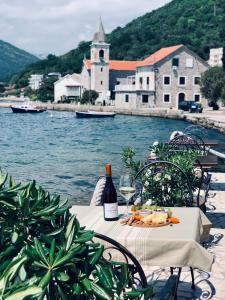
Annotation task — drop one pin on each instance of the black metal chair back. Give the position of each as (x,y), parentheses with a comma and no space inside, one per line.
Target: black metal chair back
(196,130)
(163,183)
(184,142)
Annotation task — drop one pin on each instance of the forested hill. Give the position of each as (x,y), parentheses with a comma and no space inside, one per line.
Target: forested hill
(13,59)
(199,24)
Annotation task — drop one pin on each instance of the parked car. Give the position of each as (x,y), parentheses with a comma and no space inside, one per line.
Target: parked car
(191,106)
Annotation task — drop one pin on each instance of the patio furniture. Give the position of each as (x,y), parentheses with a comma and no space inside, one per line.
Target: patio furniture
(168,246)
(164,183)
(115,249)
(184,142)
(208,161)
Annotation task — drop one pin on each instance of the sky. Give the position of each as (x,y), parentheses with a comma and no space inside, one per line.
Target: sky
(57,26)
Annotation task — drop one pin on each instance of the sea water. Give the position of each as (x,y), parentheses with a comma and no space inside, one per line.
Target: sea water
(66,155)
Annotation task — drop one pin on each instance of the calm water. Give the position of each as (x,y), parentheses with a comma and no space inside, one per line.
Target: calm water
(67,155)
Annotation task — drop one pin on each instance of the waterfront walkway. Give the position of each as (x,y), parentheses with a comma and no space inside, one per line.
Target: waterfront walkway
(208,285)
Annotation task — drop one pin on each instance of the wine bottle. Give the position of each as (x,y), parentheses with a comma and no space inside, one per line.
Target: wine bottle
(109,197)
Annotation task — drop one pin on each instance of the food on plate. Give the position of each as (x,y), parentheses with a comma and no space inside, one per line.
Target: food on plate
(150,216)
(156,218)
(174,220)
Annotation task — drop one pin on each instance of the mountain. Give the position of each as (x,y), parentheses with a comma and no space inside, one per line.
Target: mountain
(199,24)
(13,59)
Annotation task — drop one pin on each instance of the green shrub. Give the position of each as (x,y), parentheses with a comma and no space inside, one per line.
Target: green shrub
(45,254)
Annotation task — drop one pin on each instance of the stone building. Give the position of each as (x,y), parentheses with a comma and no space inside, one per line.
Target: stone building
(163,79)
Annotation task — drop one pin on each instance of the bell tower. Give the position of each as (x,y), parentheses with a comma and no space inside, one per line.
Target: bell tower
(100,63)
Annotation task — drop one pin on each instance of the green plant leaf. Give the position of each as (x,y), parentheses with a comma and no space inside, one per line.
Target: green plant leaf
(45,280)
(104,276)
(29,291)
(40,251)
(85,237)
(3,178)
(96,256)
(11,271)
(66,258)
(99,291)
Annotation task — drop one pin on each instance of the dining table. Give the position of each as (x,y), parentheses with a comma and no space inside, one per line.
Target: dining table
(173,245)
(208,161)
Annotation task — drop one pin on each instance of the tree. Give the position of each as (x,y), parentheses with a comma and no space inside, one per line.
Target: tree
(212,83)
(2,88)
(89,96)
(46,91)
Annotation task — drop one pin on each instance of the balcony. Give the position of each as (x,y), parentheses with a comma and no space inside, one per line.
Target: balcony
(125,88)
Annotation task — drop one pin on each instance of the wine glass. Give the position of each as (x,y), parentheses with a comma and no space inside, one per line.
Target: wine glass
(127,188)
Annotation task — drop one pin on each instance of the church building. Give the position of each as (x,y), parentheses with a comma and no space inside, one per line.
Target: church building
(100,73)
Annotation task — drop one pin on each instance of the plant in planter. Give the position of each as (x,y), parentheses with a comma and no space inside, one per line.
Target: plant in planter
(45,254)
(167,183)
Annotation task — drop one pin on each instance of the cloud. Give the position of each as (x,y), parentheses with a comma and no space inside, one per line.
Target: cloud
(57,26)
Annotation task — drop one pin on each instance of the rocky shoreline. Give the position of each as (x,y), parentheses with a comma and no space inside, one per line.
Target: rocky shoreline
(208,119)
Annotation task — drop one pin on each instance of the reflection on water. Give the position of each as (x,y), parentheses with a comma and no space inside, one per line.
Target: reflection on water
(67,155)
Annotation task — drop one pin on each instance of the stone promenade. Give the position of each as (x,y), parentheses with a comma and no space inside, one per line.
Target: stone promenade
(208,285)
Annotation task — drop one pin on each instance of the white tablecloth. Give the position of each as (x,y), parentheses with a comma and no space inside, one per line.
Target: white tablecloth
(168,246)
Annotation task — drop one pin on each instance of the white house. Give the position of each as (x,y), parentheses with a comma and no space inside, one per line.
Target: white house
(68,87)
(215,57)
(35,81)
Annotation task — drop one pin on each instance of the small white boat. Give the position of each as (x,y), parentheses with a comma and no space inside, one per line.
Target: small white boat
(94,114)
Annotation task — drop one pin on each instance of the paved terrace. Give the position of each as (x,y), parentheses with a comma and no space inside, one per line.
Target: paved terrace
(208,285)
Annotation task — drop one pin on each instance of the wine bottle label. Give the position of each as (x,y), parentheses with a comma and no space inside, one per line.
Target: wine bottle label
(111,210)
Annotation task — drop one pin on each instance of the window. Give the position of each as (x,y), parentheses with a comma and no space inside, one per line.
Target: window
(144,98)
(166,80)
(101,69)
(175,62)
(197,97)
(126,98)
(166,98)
(141,80)
(182,80)
(147,80)
(197,80)
(101,54)
(189,62)
(101,82)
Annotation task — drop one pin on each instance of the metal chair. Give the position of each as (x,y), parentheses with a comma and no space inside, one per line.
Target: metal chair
(185,142)
(164,183)
(114,251)
(196,130)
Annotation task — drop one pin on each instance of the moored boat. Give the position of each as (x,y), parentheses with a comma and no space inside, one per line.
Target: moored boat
(94,114)
(27,109)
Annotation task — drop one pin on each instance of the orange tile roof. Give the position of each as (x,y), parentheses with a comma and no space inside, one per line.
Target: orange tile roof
(125,65)
(158,56)
(118,65)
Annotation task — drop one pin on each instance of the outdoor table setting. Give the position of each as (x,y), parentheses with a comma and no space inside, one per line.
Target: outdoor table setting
(174,245)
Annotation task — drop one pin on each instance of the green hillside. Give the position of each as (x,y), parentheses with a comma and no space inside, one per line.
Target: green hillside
(13,59)
(199,24)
